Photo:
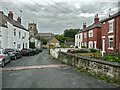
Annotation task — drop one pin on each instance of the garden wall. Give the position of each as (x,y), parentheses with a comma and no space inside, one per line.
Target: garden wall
(110,70)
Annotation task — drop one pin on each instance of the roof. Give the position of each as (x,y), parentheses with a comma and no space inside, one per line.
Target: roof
(111,17)
(13,22)
(52,39)
(70,43)
(97,25)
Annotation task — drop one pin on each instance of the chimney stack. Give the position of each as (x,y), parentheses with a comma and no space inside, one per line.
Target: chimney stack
(84,25)
(96,20)
(19,20)
(10,15)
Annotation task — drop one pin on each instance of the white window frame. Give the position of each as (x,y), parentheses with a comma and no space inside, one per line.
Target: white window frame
(90,43)
(112,36)
(18,46)
(95,44)
(85,34)
(14,31)
(91,33)
(19,34)
(111,26)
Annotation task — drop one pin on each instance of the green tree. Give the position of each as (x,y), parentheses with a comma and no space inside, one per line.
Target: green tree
(44,41)
(71,32)
(32,45)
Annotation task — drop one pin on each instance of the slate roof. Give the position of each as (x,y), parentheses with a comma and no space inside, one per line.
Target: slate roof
(13,22)
(99,24)
(111,17)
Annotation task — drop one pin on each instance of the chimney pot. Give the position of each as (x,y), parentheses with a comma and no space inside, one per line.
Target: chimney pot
(10,15)
(84,25)
(96,20)
(19,20)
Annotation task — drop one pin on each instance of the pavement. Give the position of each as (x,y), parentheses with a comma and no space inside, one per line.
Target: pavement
(40,71)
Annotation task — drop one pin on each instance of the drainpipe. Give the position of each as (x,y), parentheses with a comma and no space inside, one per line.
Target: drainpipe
(115,35)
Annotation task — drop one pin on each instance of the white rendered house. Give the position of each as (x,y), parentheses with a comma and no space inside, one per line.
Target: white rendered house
(14,35)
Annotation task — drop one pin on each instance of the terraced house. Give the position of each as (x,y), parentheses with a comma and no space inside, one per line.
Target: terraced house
(110,33)
(13,34)
(91,35)
(103,34)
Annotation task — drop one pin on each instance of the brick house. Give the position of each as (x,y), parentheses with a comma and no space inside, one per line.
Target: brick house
(91,35)
(110,33)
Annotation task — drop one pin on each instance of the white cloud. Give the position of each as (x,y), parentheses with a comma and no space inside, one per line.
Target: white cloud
(87,14)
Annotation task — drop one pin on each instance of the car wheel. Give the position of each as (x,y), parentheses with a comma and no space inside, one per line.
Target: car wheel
(3,63)
(15,58)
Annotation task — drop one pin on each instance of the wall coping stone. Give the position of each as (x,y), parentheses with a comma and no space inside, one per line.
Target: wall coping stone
(94,60)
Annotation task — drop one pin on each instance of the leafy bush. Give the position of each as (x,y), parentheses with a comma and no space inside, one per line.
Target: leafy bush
(93,50)
(44,47)
(112,59)
(71,51)
(81,51)
(52,46)
(62,45)
(32,45)
(83,47)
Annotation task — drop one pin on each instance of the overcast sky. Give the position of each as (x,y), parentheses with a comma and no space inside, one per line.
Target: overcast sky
(57,15)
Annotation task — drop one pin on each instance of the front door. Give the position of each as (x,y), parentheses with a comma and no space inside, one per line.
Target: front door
(103,46)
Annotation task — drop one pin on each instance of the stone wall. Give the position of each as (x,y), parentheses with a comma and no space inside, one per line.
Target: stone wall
(99,67)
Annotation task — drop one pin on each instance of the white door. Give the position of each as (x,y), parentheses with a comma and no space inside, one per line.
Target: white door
(103,46)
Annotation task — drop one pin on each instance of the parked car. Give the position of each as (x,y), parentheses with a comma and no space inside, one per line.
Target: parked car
(26,51)
(14,53)
(33,51)
(4,57)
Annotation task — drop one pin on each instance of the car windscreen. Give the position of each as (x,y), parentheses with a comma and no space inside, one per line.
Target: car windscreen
(9,50)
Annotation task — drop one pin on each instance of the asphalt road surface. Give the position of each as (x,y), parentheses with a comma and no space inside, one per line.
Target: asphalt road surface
(40,71)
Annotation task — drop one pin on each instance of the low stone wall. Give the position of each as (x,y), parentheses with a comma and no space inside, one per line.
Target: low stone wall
(99,67)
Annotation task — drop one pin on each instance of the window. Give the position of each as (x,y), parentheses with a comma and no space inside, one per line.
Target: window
(90,44)
(31,27)
(85,35)
(85,44)
(110,26)
(52,43)
(110,42)
(91,33)
(18,46)
(79,36)
(82,44)
(19,34)
(24,34)
(26,45)
(14,32)
(79,44)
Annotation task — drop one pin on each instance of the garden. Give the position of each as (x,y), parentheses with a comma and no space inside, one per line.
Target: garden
(95,53)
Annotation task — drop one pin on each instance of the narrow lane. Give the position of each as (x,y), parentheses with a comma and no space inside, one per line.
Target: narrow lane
(55,77)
